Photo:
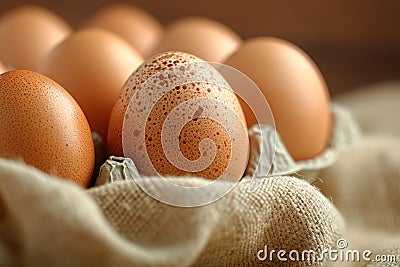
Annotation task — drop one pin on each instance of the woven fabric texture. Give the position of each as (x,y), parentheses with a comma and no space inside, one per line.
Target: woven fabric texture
(46,221)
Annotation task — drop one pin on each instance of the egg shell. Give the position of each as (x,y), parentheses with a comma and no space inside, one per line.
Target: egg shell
(134,24)
(195,127)
(44,126)
(200,36)
(27,34)
(295,90)
(92,65)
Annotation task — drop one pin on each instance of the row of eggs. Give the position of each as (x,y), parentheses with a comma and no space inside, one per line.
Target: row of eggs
(93,64)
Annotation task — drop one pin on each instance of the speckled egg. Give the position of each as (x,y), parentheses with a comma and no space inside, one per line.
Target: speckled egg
(176,115)
(44,126)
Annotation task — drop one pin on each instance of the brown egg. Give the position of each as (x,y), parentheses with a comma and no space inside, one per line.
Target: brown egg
(295,90)
(92,65)
(135,25)
(27,34)
(44,126)
(168,107)
(200,36)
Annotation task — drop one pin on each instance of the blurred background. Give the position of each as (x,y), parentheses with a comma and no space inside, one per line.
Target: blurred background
(355,43)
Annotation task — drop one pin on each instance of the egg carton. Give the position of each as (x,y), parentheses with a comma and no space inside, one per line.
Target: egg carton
(262,163)
(345,134)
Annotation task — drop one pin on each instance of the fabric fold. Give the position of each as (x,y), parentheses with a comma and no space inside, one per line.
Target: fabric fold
(46,221)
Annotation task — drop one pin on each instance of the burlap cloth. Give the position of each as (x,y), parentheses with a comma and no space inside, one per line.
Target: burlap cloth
(46,221)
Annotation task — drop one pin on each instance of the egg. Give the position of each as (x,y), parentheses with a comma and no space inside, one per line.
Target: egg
(135,25)
(295,90)
(44,126)
(27,34)
(173,114)
(200,36)
(92,65)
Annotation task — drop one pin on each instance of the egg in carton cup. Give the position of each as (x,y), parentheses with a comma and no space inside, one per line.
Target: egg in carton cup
(267,156)
(263,139)
(345,134)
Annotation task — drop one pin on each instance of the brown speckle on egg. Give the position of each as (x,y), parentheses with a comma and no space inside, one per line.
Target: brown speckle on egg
(175,105)
(154,65)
